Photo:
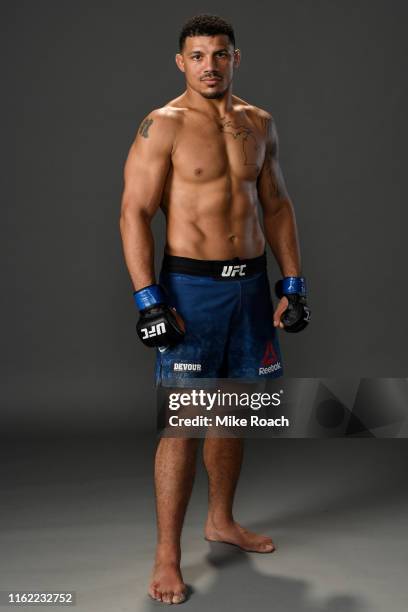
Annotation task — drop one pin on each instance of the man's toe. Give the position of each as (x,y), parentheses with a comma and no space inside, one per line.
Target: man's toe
(178,598)
(152,592)
(157,595)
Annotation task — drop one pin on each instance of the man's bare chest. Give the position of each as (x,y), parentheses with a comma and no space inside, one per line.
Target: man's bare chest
(208,150)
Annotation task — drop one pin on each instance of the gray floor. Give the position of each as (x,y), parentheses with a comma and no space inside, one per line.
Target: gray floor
(79,515)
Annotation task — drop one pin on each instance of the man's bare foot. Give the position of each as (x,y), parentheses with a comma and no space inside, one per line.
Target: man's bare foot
(167,583)
(233,533)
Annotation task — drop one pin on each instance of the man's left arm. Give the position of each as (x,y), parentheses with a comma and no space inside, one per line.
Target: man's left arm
(278,214)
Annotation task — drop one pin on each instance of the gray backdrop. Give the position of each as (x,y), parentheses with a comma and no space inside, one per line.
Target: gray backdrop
(79,78)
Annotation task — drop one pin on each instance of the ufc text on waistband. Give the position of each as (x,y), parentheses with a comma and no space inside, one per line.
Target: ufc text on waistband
(224,269)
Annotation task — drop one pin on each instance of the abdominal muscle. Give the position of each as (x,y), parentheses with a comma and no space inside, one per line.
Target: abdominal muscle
(210,223)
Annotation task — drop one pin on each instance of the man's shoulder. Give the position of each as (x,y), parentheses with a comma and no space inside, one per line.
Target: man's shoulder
(160,126)
(165,115)
(255,112)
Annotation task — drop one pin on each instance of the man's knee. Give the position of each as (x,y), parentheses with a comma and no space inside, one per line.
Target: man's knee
(178,444)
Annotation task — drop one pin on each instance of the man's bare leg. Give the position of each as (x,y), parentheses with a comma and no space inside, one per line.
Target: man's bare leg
(175,466)
(223,460)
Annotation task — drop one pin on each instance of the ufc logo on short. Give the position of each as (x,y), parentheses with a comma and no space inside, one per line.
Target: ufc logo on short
(155,330)
(233,270)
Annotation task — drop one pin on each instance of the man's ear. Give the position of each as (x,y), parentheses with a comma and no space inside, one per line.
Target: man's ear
(180,61)
(237,58)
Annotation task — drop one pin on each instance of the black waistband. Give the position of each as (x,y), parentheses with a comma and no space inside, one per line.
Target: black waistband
(223,269)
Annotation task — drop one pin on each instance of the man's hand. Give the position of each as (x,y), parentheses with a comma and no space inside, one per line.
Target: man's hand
(179,320)
(159,324)
(292,314)
(280,309)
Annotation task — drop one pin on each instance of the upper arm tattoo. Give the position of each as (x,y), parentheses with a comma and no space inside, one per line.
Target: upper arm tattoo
(144,127)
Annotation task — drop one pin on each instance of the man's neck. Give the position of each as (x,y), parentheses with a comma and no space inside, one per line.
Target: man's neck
(211,106)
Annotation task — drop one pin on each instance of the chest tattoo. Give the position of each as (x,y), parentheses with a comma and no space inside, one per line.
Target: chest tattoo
(245,136)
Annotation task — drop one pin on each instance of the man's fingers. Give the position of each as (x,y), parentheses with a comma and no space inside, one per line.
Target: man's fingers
(280,309)
(179,319)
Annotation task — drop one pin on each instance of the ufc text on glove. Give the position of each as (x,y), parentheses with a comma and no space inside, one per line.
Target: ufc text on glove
(157,325)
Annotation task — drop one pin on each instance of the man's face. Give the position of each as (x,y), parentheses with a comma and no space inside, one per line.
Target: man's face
(208,63)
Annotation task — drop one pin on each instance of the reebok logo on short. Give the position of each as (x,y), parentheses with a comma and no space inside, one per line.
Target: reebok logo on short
(187,367)
(271,368)
(233,270)
(269,361)
(269,355)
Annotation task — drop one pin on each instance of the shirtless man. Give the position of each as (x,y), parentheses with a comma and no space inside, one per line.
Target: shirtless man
(207,159)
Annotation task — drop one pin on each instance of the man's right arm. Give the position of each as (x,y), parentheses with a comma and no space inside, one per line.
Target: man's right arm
(145,173)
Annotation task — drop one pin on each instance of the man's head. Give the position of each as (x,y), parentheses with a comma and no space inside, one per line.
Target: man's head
(207,55)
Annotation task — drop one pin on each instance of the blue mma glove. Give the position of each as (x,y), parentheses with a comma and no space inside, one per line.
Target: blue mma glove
(158,324)
(298,314)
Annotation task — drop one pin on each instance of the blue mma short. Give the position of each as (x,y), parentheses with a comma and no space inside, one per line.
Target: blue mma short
(228,313)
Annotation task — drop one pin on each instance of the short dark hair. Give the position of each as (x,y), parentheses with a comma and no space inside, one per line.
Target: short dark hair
(206,25)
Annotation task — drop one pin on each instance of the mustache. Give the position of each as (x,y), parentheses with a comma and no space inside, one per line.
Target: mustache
(212,75)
